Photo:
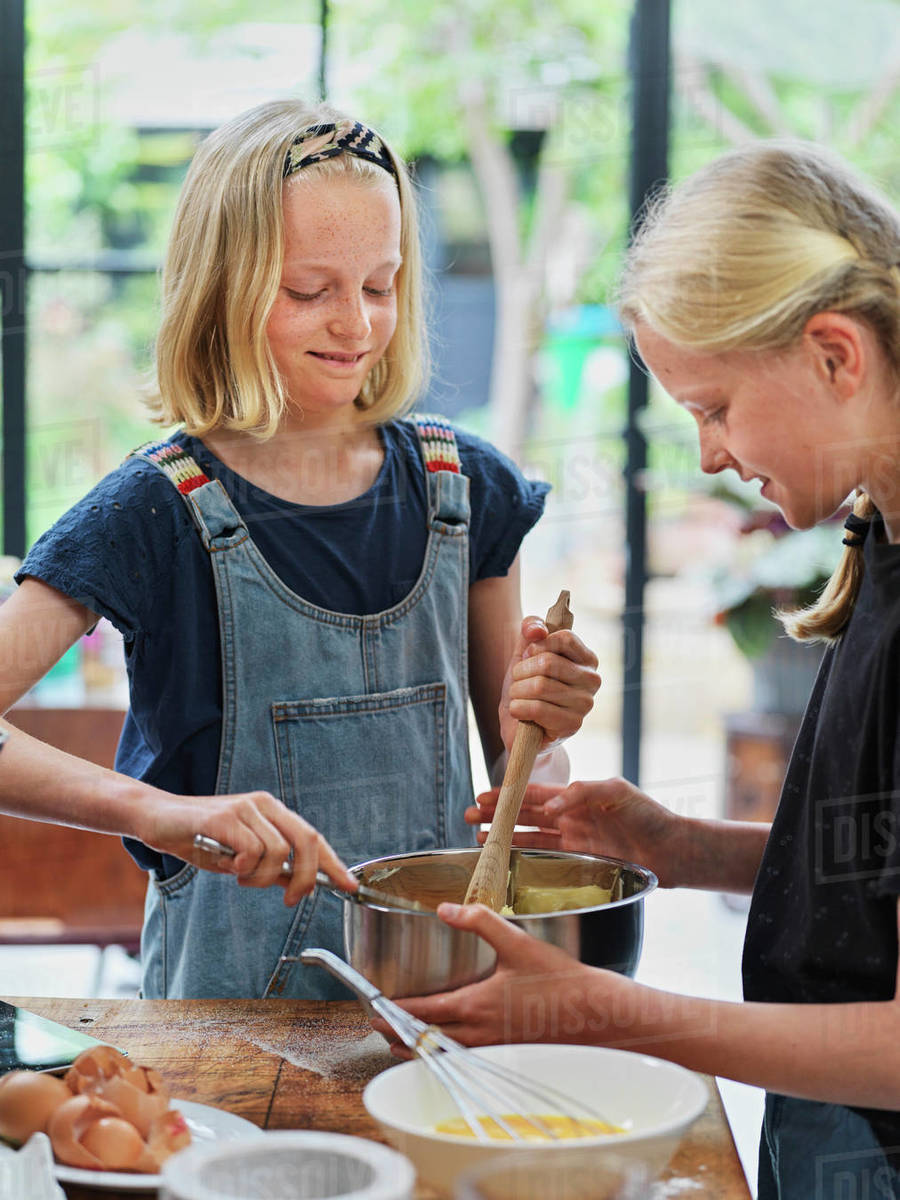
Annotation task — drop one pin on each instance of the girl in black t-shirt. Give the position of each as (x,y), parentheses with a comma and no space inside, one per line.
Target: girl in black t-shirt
(764,295)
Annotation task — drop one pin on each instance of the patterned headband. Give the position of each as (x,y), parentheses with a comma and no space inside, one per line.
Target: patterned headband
(341,137)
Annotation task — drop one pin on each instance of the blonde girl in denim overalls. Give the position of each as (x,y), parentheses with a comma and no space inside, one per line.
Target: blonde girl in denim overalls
(291,337)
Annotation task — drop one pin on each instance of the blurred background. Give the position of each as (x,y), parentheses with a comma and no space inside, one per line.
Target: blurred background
(519,119)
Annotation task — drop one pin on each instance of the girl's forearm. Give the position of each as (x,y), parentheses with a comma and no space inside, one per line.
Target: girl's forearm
(42,783)
(720,856)
(842,1053)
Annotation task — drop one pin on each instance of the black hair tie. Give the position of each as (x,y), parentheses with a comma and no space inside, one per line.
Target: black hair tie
(858,528)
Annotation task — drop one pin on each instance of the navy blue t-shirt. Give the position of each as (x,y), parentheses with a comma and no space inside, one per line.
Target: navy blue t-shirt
(131,552)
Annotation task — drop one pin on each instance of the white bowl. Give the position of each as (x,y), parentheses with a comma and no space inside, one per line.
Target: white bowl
(655,1101)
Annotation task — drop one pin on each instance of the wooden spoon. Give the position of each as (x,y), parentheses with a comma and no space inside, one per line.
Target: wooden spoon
(488,883)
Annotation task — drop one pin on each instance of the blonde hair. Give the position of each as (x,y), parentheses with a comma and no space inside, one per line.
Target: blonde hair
(743,253)
(222,273)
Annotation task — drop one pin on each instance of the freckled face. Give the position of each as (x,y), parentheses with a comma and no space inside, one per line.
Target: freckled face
(336,310)
(767,416)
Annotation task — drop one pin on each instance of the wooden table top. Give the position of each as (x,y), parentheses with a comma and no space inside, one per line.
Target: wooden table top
(288,1064)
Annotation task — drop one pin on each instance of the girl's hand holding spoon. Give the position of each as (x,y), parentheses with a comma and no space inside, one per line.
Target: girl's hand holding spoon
(262,835)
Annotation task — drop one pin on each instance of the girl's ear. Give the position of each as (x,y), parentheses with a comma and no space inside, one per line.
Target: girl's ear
(840,350)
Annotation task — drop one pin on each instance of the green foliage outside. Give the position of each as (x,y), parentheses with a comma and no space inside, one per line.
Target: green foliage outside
(98,190)
(95,187)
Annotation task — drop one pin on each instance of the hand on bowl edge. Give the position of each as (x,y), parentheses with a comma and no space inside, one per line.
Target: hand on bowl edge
(537,993)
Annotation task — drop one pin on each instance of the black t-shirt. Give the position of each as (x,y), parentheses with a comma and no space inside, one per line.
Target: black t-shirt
(822,926)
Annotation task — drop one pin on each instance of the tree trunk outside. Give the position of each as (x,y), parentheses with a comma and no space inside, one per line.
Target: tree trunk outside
(511,362)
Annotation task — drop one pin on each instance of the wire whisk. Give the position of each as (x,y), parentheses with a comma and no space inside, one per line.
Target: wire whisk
(484,1093)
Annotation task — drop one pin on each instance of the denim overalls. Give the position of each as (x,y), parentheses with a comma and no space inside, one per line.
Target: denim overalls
(358,723)
(815,1151)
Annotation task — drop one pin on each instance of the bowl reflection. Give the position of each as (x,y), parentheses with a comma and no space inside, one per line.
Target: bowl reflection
(532,1176)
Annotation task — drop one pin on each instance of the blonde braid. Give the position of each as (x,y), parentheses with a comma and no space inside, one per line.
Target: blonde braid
(826,618)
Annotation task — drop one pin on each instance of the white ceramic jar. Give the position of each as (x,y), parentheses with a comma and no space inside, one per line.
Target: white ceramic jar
(289,1165)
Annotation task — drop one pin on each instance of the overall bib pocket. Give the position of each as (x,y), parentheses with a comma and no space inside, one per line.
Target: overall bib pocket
(367,771)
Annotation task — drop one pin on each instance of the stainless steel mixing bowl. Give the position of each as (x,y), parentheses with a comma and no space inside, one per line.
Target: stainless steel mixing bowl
(415,953)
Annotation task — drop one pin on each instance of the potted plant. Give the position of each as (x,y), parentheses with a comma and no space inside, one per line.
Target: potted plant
(773,567)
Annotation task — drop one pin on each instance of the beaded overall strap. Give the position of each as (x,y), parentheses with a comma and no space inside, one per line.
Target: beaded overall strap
(183,471)
(211,508)
(438,442)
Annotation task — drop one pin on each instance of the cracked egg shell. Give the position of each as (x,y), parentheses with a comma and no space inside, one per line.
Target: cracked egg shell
(69,1124)
(116,1143)
(138,1092)
(167,1134)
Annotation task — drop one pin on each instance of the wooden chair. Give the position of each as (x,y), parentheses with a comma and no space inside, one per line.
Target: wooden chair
(62,886)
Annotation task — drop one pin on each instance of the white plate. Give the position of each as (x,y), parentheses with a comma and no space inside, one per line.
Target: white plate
(207,1124)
